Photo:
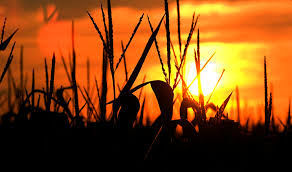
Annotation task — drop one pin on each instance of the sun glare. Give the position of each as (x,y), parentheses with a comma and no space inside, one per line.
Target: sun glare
(209,78)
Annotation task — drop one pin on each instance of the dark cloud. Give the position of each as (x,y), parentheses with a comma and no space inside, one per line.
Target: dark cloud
(69,9)
(247,25)
(259,26)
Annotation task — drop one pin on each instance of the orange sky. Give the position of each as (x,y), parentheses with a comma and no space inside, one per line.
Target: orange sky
(240,32)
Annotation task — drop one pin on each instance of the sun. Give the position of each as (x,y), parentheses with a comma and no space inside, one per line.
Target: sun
(209,78)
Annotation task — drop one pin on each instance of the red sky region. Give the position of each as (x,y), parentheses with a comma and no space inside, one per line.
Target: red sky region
(240,32)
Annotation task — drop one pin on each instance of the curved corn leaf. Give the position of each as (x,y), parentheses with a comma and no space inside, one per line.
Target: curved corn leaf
(164,95)
(211,106)
(187,103)
(129,109)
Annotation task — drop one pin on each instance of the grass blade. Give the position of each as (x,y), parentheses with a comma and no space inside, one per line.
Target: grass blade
(140,94)
(154,140)
(168,39)
(32,90)
(52,80)
(111,54)
(4,44)
(267,117)
(97,90)
(104,24)
(201,70)
(9,90)
(238,104)
(174,54)
(3,30)
(129,42)
(216,85)
(89,100)
(110,29)
(98,31)
(21,74)
(289,115)
(138,67)
(178,26)
(88,80)
(66,69)
(223,106)
(140,124)
(158,52)
(102,103)
(9,60)
(193,26)
(125,62)
(47,85)
(73,76)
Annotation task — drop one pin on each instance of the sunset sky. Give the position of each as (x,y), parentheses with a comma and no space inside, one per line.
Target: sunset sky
(241,32)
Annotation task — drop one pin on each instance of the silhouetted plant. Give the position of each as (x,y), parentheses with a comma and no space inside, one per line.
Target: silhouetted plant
(268,101)
(128,113)
(4,44)
(53,112)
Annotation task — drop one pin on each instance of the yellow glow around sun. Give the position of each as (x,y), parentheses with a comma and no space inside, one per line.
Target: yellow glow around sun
(209,78)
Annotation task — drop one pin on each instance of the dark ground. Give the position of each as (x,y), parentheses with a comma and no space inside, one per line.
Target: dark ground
(116,149)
